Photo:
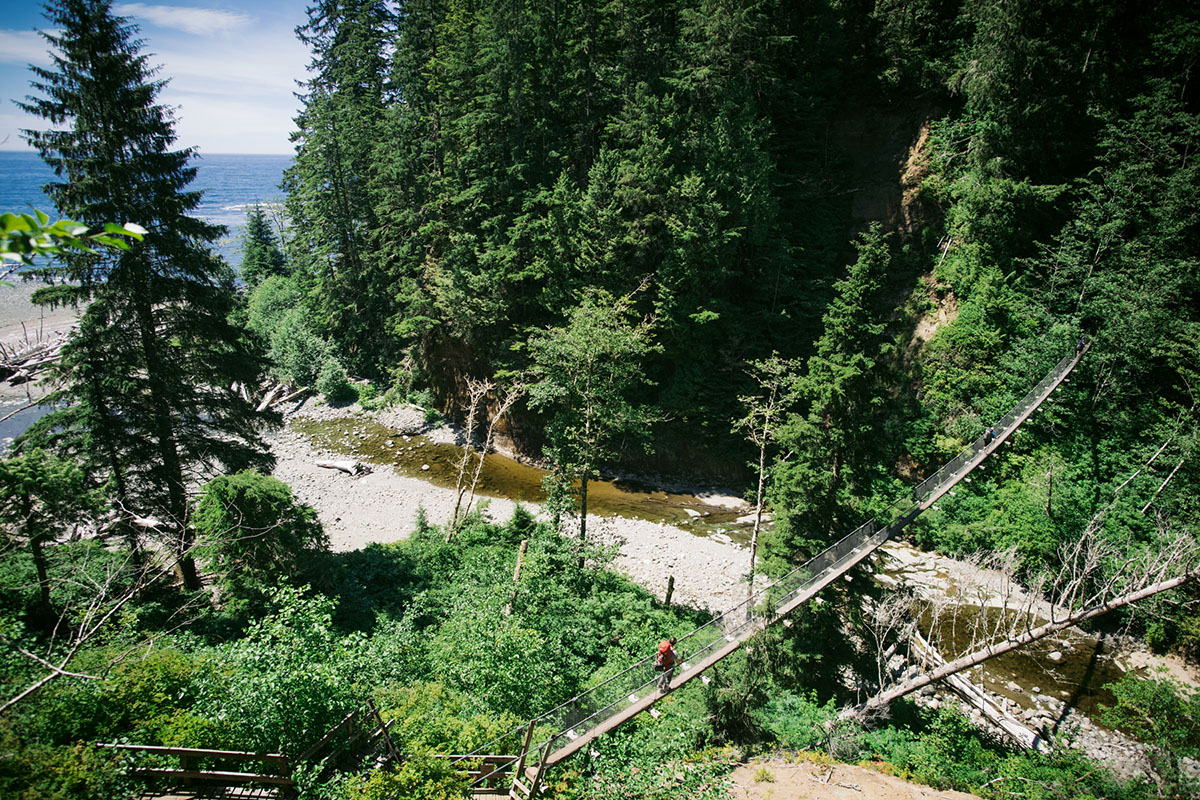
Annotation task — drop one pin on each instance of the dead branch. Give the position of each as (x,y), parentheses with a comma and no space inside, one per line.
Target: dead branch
(1097,604)
(511,395)
(270,398)
(477,391)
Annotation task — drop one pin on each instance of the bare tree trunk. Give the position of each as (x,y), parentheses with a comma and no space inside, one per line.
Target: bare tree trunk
(511,396)
(882,699)
(583,491)
(758,511)
(516,576)
(477,391)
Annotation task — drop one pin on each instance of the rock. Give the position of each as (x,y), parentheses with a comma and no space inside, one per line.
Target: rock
(424,467)
(1055,656)
(1036,689)
(1013,687)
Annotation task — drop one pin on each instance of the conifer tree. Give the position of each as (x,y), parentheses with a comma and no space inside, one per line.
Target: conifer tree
(148,397)
(261,256)
(832,436)
(329,200)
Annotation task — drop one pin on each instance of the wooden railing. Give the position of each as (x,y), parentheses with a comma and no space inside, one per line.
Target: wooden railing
(362,730)
(485,772)
(197,765)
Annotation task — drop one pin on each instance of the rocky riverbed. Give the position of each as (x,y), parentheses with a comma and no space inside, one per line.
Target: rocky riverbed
(382,506)
(1045,684)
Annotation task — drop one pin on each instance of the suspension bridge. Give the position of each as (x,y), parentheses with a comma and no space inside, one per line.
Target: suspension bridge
(564,731)
(567,729)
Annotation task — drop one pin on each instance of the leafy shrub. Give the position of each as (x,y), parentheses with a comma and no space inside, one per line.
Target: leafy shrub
(1163,713)
(288,681)
(252,534)
(74,772)
(297,352)
(429,717)
(269,302)
(418,778)
(797,722)
(335,384)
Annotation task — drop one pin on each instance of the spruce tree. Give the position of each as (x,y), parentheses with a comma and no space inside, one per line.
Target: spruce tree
(148,398)
(329,186)
(261,256)
(834,435)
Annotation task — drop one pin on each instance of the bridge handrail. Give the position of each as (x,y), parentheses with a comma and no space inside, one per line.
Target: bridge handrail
(575,716)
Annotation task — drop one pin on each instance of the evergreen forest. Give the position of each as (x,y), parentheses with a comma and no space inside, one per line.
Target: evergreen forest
(808,251)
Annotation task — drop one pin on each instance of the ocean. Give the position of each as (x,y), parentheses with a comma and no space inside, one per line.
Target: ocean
(230,183)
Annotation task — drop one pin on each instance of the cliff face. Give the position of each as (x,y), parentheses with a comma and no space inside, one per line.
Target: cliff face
(877,158)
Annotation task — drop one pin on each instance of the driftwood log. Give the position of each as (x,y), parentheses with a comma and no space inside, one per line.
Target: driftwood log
(354,468)
(23,361)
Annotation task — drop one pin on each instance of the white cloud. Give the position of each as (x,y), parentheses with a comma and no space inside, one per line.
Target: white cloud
(223,125)
(23,47)
(200,21)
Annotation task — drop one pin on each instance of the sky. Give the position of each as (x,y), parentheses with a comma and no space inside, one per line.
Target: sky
(232,67)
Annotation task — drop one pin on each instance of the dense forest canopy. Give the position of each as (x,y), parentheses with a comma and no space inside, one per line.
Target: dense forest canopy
(831,239)
(468,174)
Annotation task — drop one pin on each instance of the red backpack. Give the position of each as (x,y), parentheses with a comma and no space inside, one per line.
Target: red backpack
(665,657)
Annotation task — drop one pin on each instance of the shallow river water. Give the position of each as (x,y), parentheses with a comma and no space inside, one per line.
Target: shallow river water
(416,456)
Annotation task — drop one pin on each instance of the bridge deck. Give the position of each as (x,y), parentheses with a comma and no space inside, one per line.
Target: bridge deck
(842,566)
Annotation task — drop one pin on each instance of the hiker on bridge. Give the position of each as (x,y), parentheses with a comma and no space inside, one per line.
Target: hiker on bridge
(665,662)
(1080,344)
(989,436)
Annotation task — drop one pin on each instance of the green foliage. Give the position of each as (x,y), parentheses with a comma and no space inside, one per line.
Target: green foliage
(150,372)
(522,669)
(833,435)
(269,302)
(429,717)
(27,237)
(330,203)
(261,256)
(252,535)
(41,498)
(334,384)
(941,749)
(658,759)
(796,721)
(584,374)
(288,680)
(73,772)
(1164,714)
(418,778)
(297,352)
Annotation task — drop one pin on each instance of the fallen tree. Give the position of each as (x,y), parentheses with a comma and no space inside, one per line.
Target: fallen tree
(1095,578)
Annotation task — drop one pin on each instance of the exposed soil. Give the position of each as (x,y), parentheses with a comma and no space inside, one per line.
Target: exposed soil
(812,780)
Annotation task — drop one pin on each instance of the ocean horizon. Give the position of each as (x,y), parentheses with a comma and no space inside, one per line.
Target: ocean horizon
(231,183)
